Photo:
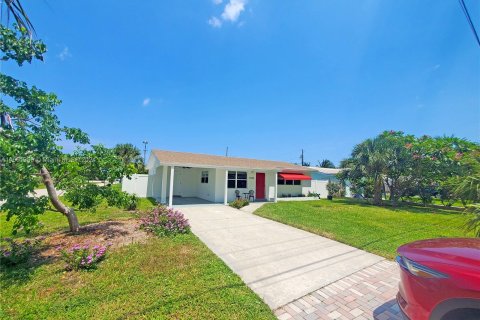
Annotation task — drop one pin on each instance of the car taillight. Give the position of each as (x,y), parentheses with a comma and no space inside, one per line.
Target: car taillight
(419,270)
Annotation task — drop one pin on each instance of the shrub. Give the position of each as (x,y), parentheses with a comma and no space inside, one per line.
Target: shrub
(130,201)
(313,194)
(82,257)
(239,203)
(120,199)
(16,252)
(91,195)
(335,189)
(163,221)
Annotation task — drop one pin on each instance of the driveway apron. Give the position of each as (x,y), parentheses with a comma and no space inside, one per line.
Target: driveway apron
(280,263)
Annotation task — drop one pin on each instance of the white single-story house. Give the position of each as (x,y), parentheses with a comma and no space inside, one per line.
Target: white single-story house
(184,178)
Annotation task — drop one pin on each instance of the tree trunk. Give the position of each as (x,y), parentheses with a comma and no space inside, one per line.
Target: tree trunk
(377,192)
(393,195)
(52,194)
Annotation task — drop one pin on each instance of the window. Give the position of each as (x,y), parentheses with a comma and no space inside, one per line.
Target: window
(204,177)
(242,180)
(237,179)
(289,182)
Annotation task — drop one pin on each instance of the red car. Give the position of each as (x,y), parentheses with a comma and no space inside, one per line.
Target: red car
(440,279)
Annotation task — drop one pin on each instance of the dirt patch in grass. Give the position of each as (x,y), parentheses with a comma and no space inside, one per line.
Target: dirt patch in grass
(114,233)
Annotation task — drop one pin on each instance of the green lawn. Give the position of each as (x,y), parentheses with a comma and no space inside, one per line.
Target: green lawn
(165,278)
(54,221)
(168,278)
(435,201)
(376,229)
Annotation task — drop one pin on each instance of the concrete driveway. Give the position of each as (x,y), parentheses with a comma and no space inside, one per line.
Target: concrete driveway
(280,263)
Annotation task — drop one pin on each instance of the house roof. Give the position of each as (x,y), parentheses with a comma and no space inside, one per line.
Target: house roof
(326,170)
(205,160)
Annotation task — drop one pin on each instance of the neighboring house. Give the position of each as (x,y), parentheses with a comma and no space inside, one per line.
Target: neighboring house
(176,176)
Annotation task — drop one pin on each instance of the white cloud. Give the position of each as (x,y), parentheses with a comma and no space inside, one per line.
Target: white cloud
(146,102)
(233,9)
(217,2)
(215,22)
(64,54)
(231,12)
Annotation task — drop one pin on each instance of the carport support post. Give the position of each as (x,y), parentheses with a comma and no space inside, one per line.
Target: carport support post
(163,190)
(170,195)
(225,194)
(276,187)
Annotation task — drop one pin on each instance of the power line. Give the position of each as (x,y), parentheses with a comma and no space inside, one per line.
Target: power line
(469,20)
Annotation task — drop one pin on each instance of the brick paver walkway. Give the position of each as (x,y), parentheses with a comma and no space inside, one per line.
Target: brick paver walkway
(366,294)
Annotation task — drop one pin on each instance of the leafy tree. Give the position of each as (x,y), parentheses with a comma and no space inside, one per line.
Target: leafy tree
(410,166)
(440,164)
(15,8)
(29,148)
(325,163)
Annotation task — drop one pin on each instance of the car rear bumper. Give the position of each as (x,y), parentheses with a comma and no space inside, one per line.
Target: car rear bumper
(401,303)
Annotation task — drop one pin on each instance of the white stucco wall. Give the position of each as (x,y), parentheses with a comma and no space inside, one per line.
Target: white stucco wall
(137,185)
(206,191)
(154,183)
(270,179)
(187,183)
(219,185)
(295,190)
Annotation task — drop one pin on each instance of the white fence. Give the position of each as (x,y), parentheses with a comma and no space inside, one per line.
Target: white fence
(136,185)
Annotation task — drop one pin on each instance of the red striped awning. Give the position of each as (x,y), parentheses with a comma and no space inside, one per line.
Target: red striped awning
(294,176)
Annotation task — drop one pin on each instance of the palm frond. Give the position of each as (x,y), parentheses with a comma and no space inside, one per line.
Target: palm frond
(473,223)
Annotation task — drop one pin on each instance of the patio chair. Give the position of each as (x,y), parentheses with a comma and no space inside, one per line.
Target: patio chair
(237,194)
(251,195)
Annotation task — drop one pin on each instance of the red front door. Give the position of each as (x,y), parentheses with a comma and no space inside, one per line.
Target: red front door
(260,186)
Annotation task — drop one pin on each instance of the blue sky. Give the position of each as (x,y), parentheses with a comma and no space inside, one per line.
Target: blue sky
(265,78)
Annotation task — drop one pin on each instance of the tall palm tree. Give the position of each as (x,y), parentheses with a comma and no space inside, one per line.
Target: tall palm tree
(368,163)
(130,155)
(325,163)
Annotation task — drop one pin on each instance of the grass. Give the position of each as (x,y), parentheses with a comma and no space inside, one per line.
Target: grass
(53,221)
(379,230)
(436,201)
(168,278)
(165,278)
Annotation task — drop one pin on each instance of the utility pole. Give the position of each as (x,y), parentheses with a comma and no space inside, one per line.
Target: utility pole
(226,152)
(301,157)
(145,142)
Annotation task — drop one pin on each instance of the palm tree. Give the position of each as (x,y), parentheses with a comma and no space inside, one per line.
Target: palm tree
(130,155)
(325,163)
(367,165)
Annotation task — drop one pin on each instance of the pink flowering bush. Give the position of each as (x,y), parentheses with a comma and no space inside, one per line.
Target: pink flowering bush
(15,251)
(82,257)
(163,221)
